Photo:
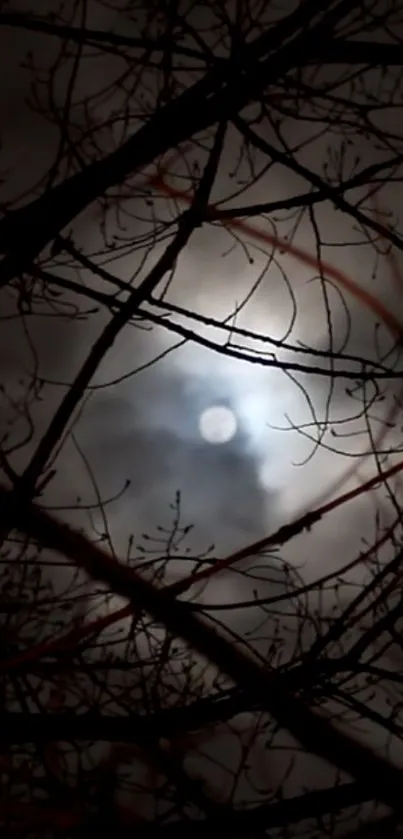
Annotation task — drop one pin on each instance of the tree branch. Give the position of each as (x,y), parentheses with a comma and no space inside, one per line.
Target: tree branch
(315,733)
(207,102)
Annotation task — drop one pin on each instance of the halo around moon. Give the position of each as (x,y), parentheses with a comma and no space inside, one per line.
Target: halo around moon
(217,424)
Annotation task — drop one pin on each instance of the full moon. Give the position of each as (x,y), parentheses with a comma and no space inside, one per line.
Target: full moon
(217,424)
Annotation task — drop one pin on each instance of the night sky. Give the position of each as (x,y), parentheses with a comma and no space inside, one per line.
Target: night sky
(137,435)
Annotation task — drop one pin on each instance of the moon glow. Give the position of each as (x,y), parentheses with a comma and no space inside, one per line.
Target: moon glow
(217,424)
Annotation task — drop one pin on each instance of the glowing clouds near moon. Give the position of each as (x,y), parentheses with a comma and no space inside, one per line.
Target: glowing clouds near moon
(217,424)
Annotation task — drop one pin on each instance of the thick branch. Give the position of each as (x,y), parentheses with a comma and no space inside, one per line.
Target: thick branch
(338,51)
(315,733)
(204,104)
(251,822)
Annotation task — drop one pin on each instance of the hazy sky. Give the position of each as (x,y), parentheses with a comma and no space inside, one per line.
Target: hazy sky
(145,428)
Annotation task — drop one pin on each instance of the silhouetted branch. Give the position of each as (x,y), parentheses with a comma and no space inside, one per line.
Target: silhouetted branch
(314,732)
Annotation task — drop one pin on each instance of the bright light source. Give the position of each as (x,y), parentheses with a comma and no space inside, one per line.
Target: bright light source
(217,424)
